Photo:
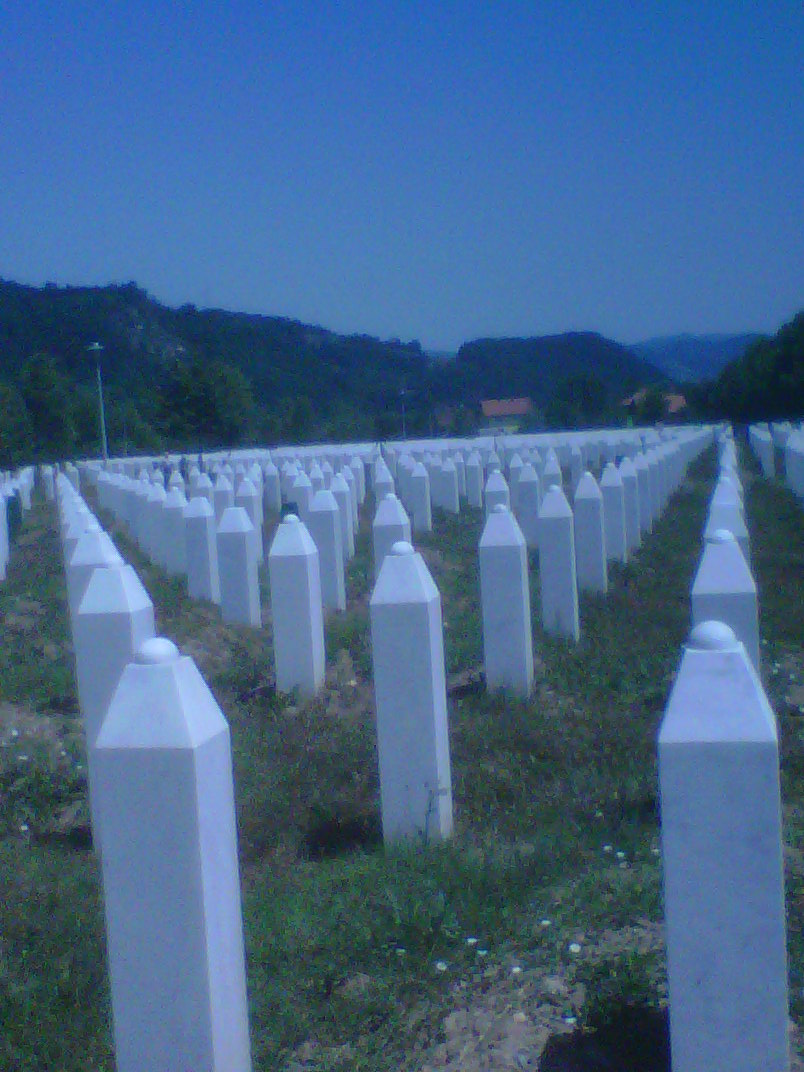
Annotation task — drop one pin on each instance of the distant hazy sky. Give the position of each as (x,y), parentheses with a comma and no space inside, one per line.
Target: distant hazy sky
(434,170)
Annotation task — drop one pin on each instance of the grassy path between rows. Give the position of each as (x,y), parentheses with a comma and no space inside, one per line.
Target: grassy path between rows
(546,906)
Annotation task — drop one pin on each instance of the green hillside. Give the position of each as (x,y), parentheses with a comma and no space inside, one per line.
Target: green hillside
(192,379)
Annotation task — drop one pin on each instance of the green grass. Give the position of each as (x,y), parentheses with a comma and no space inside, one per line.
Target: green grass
(343,938)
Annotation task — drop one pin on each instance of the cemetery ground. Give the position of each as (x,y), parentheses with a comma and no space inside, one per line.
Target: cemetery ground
(544,910)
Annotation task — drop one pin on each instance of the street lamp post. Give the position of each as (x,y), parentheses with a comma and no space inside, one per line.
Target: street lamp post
(95,348)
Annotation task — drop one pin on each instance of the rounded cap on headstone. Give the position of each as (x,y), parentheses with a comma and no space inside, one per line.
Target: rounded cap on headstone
(156,650)
(723,536)
(712,636)
(402,547)
(290,519)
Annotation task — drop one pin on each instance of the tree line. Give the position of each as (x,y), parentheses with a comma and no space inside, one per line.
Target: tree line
(185,379)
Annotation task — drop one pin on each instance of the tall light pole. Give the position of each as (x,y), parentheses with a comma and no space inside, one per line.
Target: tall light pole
(402,394)
(95,348)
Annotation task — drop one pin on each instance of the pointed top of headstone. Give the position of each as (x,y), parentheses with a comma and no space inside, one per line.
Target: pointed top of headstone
(323,501)
(501,529)
(199,507)
(247,490)
(292,539)
(235,519)
(587,487)
(117,588)
(611,477)
(404,578)
(176,498)
(95,549)
(161,702)
(555,504)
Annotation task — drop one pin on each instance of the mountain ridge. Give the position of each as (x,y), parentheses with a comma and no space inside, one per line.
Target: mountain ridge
(691,358)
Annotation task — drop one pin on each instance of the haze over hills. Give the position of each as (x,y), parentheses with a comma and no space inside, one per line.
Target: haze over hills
(693,358)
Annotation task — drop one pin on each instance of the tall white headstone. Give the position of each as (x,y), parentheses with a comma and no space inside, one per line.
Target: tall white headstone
(590,545)
(411,700)
(496,492)
(296,608)
(474,480)
(505,600)
(250,499)
(723,875)
(557,577)
(324,525)
(170,871)
(343,497)
(633,529)
(237,569)
(420,504)
(201,544)
(391,525)
(223,496)
(613,492)
(173,527)
(725,591)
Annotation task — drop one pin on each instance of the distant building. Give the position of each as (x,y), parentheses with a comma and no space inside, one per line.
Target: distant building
(506,414)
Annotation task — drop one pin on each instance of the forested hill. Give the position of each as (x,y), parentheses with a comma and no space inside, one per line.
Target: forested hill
(195,379)
(536,367)
(299,375)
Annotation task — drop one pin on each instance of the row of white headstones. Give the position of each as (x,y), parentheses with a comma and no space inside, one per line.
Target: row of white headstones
(721,825)
(161,705)
(788,440)
(17,485)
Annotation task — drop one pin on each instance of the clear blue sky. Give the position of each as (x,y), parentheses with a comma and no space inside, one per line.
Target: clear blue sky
(435,170)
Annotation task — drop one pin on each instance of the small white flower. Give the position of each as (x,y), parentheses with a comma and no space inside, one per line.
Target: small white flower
(400,952)
(353,683)
(440,965)
(482,952)
(62,753)
(598,814)
(623,864)
(656,852)
(546,923)
(22,758)
(516,970)
(471,941)
(620,855)
(78,766)
(15,733)
(607,848)
(23,828)
(574,948)
(571,1020)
